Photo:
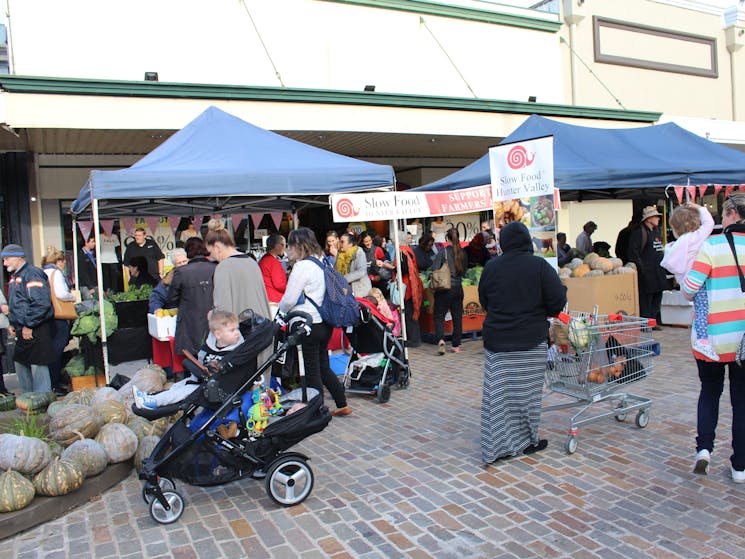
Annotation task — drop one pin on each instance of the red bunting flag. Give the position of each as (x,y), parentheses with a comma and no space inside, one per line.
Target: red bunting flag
(702,190)
(85,228)
(108,226)
(679,193)
(173,222)
(557,199)
(127,225)
(728,190)
(236,218)
(276,218)
(256,219)
(717,188)
(742,188)
(691,192)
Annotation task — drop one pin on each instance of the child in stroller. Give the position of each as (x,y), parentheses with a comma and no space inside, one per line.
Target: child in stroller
(211,443)
(378,357)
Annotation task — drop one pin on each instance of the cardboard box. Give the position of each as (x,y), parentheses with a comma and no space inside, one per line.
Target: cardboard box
(612,294)
(161,327)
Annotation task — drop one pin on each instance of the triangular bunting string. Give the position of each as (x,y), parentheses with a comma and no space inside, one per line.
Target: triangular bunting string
(173,221)
(127,225)
(108,226)
(717,188)
(679,193)
(702,190)
(236,218)
(256,219)
(152,223)
(276,218)
(85,229)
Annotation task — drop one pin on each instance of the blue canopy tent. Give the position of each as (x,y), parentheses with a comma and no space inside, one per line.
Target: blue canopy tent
(599,162)
(220,163)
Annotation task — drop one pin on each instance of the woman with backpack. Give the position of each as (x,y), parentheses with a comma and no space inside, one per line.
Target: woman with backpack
(306,282)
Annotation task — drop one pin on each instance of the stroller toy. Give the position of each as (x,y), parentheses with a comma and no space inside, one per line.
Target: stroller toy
(211,443)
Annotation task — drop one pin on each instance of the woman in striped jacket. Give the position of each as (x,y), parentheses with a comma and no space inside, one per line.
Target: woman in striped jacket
(715,270)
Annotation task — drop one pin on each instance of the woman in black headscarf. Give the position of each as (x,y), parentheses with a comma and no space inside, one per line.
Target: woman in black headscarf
(518,291)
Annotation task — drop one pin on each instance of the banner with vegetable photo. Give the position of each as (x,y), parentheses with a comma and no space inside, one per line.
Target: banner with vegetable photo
(522,180)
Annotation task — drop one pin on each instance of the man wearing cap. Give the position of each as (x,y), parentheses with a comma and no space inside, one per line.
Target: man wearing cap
(30,315)
(584,239)
(646,251)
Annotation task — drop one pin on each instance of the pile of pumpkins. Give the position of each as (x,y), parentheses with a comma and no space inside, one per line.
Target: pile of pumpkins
(595,265)
(88,430)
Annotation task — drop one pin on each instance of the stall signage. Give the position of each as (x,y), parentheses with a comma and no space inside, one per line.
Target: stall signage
(522,177)
(375,206)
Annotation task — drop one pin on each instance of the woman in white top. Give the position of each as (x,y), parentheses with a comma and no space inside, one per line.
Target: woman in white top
(307,281)
(54,267)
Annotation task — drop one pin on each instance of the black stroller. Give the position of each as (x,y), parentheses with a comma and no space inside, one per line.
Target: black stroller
(378,359)
(215,441)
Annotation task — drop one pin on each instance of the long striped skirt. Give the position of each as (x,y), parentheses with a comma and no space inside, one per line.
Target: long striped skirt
(511,405)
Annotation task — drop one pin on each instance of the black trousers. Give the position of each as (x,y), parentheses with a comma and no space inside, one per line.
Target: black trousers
(650,304)
(318,373)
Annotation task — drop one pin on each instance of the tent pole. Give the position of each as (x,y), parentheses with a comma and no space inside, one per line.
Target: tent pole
(75,269)
(399,282)
(99,282)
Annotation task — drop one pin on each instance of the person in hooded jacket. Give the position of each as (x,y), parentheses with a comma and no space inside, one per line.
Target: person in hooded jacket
(518,291)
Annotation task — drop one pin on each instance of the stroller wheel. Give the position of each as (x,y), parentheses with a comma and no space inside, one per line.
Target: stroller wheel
(289,481)
(384,393)
(166,484)
(173,513)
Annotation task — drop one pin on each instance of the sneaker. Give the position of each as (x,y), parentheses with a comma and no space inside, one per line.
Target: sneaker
(258,474)
(704,348)
(346,410)
(142,400)
(456,349)
(541,445)
(441,348)
(737,476)
(701,465)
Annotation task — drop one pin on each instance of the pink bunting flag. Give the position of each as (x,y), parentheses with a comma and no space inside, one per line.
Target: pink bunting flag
(173,221)
(108,226)
(85,228)
(557,199)
(197,222)
(217,217)
(728,190)
(127,224)
(256,219)
(691,192)
(717,188)
(236,218)
(742,188)
(679,193)
(152,222)
(276,218)
(702,190)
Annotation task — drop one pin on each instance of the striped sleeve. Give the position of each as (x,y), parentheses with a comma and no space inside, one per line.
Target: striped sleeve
(696,277)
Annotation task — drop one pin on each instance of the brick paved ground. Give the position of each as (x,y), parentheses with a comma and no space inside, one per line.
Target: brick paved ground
(405,480)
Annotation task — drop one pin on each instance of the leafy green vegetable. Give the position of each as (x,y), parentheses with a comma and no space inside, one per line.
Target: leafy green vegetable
(89,323)
(76,366)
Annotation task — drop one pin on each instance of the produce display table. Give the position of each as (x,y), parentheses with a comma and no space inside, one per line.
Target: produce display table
(125,344)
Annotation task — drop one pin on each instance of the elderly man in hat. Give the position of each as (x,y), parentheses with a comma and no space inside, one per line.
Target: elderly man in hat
(646,251)
(30,314)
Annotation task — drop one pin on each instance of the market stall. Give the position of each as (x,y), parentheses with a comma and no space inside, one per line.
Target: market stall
(219,163)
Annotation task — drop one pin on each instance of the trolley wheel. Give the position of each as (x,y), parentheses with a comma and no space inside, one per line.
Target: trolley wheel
(384,393)
(289,481)
(571,444)
(621,417)
(166,484)
(173,513)
(642,419)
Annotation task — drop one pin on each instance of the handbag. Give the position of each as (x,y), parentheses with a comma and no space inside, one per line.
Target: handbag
(439,280)
(63,310)
(396,297)
(740,354)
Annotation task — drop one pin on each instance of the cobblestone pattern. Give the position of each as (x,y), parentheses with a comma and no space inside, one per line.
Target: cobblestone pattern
(405,479)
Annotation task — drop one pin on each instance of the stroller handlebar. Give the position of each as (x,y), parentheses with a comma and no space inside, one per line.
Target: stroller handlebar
(299,326)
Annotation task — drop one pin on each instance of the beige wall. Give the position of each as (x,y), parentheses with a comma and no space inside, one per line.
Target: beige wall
(610,215)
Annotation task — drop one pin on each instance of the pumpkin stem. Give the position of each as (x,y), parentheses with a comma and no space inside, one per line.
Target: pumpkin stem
(79,434)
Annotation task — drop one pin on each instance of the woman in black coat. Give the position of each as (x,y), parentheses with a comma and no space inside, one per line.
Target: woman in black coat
(518,291)
(191,292)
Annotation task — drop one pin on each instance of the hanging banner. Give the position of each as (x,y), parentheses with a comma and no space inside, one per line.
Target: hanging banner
(276,218)
(379,206)
(85,229)
(108,226)
(522,177)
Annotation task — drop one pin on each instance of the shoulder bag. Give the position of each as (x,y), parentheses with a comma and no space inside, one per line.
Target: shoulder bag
(63,310)
(439,280)
(740,355)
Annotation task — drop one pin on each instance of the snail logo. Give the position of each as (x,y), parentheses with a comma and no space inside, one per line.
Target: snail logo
(345,208)
(518,157)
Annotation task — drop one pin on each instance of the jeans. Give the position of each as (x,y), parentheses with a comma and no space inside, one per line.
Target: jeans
(451,300)
(318,373)
(712,385)
(33,379)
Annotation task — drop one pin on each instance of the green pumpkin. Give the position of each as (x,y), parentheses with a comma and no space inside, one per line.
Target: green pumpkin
(26,455)
(147,444)
(118,440)
(7,402)
(35,402)
(112,411)
(83,397)
(59,478)
(55,407)
(16,491)
(63,427)
(89,454)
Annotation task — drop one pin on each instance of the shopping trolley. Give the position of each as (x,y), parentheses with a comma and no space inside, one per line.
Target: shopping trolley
(592,359)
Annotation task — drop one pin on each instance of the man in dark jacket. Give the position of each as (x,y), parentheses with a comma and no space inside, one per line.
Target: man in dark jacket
(646,251)
(30,314)
(87,265)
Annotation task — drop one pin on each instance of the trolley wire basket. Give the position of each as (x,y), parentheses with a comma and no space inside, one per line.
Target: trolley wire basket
(592,358)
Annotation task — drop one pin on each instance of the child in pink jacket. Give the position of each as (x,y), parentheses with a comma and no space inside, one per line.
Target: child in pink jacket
(692,225)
